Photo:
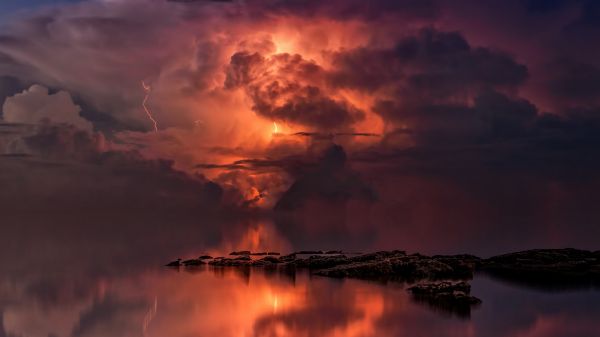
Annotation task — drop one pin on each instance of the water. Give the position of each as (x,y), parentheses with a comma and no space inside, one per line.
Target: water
(61,278)
(234,302)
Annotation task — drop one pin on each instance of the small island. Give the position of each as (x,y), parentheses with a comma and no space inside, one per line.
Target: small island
(440,281)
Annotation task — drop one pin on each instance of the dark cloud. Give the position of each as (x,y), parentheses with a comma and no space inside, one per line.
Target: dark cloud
(432,64)
(73,166)
(573,83)
(331,180)
(353,9)
(492,117)
(9,86)
(309,106)
(429,68)
(286,88)
(544,6)
(462,100)
(65,142)
(588,20)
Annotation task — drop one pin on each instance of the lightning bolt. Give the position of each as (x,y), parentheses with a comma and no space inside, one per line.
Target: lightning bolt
(147,90)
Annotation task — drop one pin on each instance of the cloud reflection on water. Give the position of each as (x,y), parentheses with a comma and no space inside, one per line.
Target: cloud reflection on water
(233,302)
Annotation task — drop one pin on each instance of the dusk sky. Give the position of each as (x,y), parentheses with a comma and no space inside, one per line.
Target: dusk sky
(440,126)
(299,168)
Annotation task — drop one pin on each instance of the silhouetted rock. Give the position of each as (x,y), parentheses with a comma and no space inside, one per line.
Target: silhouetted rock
(288,258)
(309,252)
(399,266)
(266,261)
(320,261)
(271,259)
(175,263)
(241,252)
(333,252)
(193,262)
(273,253)
(205,257)
(563,267)
(461,264)
(546,267)
(259,254)
(451,297)
(244,260)
(377,256)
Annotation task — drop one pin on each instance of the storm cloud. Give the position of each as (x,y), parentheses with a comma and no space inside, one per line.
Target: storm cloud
(438,107)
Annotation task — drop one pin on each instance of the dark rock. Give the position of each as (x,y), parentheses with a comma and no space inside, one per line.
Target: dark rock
(309,252)
(396,265)
(377,256)
(271,259)
(549,268)
(193,262)
(320,262)
(288,258)
(333,252)
(175,263)
(205,257)
(244,260)
(371,269)
(462,265)
(241,252)
(434,288)
(273,253)
(259,254)
(451,297)
(266,261)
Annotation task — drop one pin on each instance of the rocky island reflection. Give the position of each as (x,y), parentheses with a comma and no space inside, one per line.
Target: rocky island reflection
(209,301)
(117,287)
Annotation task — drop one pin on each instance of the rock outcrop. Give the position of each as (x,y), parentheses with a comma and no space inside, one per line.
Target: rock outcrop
(434,277)
(546,267)
(193,262)
(450,297)
(399,266)
(175,263)
(241,252)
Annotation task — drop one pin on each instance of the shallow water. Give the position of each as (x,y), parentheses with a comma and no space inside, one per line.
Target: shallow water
(94,276)
(209,301)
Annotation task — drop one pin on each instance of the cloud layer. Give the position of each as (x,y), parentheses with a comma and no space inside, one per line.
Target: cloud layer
(439,108)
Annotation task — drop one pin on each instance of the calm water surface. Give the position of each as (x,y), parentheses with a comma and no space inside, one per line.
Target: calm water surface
(236,302)
(64,279)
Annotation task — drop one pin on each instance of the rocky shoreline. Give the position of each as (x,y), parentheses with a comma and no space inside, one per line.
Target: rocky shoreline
(440,281)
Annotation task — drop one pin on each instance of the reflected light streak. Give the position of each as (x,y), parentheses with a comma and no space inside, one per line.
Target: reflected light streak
(149,316)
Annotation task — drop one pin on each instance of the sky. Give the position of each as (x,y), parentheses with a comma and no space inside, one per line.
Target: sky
(9,7)
(431,125)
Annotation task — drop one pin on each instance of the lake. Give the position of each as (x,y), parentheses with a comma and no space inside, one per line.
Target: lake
(74,275)
(231,301)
